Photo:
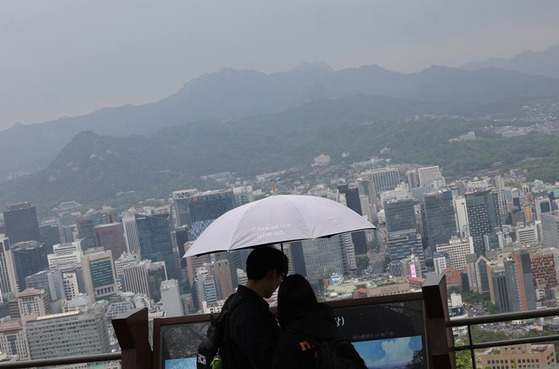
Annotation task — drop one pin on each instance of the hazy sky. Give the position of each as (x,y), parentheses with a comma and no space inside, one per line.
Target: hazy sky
(67,58)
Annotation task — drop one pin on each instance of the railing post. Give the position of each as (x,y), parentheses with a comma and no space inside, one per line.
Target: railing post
(132,333)
(440,341)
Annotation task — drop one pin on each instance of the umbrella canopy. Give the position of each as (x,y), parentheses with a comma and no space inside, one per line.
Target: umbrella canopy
(275,219)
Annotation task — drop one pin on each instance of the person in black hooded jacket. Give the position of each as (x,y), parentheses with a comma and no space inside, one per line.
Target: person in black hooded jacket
(300,315)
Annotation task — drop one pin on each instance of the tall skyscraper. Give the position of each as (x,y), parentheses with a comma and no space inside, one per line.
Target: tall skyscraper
(402,244)
(8,275)
(156,243)
(30,257)
(21,223)
(110,237)
(99,274)
(500,293)
(483,217)
(44,280)
(50,236)
(439,223)
(349,196)
(131,235)
(205,207)
(550,229)
(400,215)
(525,278)
(323,257)
(171,298)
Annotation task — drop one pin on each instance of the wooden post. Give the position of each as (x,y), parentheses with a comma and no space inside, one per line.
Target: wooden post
(132,333)
(440,341)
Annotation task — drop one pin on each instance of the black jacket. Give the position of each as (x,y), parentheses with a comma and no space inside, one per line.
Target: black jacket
(253,332)
(292,351)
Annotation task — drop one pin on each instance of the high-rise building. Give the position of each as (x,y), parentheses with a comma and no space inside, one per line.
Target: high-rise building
(427,175)
(65,253)
(349,196)
(193,263)
(524,279)
(412,177)
(544,270)
(50,236)
(400,215)
(131,235)
(30,302)
(550,229)
(69,280)
(21,224)
(67,334)
(542,205)
(144,277)
(461,216)
(384,179)
(323,256)
(439,223)
(30,257)
(205,287)
(457,249)
(243,195)
(156,243)
(110,237)
(402,244)
(526,235)
(499,295)
(205,207)
(99,274)
(13,340)
(8,275)
(181,209)
(43,280)
(483,217)
(171,298)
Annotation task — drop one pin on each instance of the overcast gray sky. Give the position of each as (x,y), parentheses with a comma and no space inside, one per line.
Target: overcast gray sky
(72,57)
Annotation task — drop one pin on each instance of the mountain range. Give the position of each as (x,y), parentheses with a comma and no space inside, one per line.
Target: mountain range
(244,121)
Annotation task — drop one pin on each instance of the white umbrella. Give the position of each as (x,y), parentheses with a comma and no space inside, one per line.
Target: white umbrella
(275,219)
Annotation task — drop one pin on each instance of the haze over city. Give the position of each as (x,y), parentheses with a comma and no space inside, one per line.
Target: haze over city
(67,58)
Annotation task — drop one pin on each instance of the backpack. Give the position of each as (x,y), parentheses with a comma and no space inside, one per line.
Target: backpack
(336,354)
(209,355)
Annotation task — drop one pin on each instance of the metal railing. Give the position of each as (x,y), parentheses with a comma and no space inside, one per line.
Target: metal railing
(115,356)
(498,318)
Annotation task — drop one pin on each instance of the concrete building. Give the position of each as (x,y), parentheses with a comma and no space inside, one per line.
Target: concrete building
(67,334)
(110,237)
(483,217)
(457,249)
(65,253)
(20,221)
(550,229)
(519,356)
(170,296)
(30,302)
(13,340)
(8,276)
(99,274)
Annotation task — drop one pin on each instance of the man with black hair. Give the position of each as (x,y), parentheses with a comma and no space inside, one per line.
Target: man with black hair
(252,330)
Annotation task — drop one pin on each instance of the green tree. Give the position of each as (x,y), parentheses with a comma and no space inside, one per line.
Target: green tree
(362,263)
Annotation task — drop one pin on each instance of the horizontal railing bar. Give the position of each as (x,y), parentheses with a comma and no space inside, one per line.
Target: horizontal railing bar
(503,317)
(63,361)
(516,341)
